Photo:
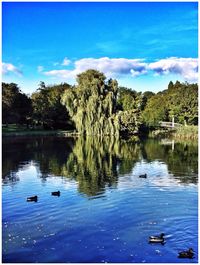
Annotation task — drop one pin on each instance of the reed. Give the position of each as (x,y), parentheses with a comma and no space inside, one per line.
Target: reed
(187,132)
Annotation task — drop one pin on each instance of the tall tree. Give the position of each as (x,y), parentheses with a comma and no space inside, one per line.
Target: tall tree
(127,99)
(16,106)
(155,111)
(92,104)
(180,101)
(47,108)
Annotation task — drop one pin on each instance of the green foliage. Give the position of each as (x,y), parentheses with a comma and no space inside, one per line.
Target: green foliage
(179,100)
(96,106)
(145,98)
(129,121)
(182,102)
(92,104)
(16,106)
(127,99)
(155,111)
(47,108)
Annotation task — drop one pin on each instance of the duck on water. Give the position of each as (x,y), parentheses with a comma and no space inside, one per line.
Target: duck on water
(32,199)
(157,239)
(55,193)
(144,176)
(186,254)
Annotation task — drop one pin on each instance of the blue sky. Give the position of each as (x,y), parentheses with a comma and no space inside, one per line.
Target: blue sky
(143,45)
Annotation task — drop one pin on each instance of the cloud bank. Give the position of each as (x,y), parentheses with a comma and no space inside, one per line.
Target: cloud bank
(187,68)
(10,68)
(111,67)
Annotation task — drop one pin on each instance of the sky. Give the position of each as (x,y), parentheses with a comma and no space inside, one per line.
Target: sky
(143,45)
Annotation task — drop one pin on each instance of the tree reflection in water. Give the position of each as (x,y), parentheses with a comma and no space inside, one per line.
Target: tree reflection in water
(48,153)
(95,163)
(183,157)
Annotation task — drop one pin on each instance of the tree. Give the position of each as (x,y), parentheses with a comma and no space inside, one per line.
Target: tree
(16,106)
(180,100)
(47,108)
(155,111)
(146,96)
(127,99)
(92,104)
(129,121)
(171,85)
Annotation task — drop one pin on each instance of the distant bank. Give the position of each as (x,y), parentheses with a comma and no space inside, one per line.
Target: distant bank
(184,132)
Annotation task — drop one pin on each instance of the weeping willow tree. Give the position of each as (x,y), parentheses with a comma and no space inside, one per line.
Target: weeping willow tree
(92,104)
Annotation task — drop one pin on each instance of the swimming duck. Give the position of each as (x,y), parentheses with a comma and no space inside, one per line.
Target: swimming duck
(143,176)
(55,193)
(32,199)
(186,254)
(157,239)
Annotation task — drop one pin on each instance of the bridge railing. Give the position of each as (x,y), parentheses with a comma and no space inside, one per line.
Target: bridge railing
(169,124)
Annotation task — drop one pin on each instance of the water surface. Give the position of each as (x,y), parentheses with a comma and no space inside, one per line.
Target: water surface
(105,212)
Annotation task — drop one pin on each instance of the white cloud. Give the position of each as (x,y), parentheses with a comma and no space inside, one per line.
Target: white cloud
(40,68)
(66,61)
(135,73)
(111,67)
(119,67)
(10,68)
(65,74)
(186,67)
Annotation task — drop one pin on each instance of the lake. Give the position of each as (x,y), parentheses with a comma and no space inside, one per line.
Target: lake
(105,212)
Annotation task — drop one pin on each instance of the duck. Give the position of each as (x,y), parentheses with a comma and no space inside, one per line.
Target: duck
(157,239)
(55,193)
(186,254)
(32,199)
(143,176)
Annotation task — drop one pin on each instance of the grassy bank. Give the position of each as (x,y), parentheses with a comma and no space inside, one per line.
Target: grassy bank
(15,130)
(184,132)
(187,132)
(160,133)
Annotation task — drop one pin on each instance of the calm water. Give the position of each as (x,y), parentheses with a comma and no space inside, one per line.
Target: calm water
(105,212)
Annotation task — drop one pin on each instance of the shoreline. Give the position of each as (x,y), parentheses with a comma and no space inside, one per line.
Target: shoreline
(59,133)
(184,133)
(76,134)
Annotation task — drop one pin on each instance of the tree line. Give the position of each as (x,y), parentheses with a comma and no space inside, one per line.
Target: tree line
(98,106)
